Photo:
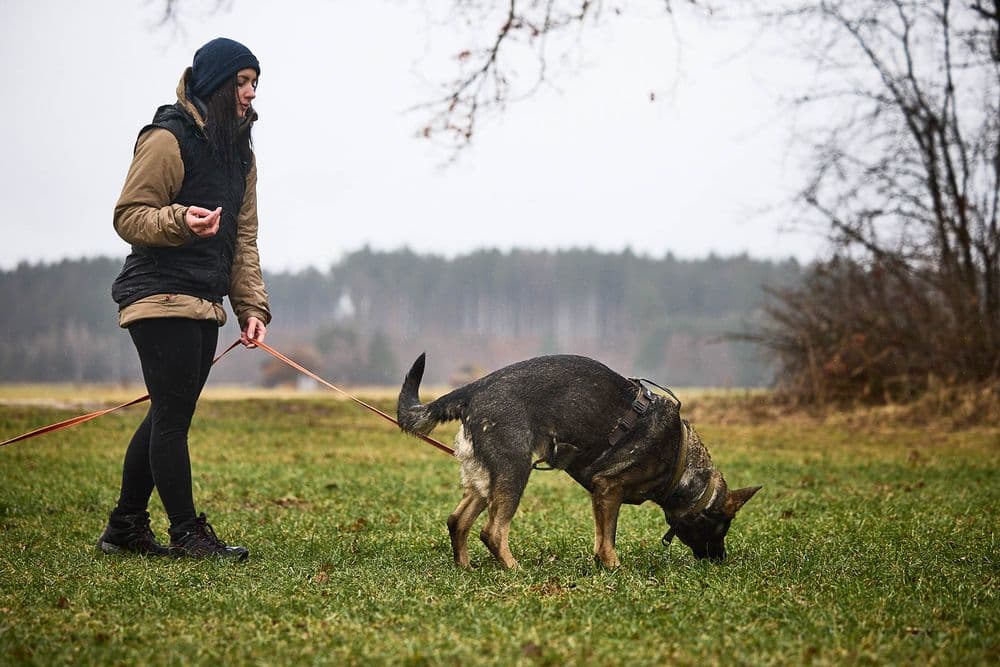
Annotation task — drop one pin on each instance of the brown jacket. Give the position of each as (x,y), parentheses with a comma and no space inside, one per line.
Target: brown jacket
(146,216)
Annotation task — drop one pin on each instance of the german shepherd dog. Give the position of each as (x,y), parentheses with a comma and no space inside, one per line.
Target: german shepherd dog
(621,442)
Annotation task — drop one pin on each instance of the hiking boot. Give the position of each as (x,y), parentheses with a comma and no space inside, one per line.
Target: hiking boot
(198,540)
(130,533)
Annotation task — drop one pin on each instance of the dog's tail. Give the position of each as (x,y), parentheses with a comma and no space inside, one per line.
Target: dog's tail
(412,415)
(419,419)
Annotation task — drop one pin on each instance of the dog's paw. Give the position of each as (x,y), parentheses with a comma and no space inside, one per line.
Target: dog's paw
(609,561)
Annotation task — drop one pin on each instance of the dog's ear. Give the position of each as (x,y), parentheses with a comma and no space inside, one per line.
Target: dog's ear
(738,498)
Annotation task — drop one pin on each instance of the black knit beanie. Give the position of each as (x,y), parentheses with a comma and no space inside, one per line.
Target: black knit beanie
(216,62)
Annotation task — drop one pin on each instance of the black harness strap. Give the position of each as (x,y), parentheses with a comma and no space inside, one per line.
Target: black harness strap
(672,394)
(639,406)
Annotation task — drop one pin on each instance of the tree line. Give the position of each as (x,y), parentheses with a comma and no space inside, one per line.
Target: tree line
(364,318)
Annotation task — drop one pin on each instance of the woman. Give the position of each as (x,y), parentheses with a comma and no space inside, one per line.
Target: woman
(189,209)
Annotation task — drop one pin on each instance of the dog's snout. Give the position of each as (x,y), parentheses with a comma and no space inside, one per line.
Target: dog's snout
(713,552)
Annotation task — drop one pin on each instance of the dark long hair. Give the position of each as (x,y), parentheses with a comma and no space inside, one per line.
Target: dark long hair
(222,125)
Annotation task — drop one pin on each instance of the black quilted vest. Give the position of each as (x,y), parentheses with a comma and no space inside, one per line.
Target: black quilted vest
(201,266)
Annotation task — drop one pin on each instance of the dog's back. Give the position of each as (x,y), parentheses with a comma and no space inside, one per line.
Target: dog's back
(567,397)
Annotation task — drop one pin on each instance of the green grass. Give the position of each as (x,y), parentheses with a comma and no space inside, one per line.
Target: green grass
(865,546)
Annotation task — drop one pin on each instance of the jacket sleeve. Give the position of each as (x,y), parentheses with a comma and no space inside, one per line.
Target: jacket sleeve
(247,293)
(144,214)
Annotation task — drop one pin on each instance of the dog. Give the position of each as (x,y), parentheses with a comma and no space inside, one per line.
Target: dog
(617,439)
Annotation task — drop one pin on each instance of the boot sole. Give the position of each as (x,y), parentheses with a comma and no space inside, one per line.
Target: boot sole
(108,548)
(235,557)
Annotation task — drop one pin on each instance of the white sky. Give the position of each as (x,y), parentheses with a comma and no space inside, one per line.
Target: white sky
(592,163)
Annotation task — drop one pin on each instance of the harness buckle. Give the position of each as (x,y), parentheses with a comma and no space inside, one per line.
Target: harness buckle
(640,405)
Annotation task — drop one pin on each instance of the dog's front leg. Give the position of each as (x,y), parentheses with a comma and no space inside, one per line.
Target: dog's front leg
(606,499)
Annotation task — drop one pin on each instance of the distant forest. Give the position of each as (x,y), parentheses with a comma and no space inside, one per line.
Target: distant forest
(363,320)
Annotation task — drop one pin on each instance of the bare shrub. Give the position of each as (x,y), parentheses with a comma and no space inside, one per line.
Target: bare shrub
(907,183)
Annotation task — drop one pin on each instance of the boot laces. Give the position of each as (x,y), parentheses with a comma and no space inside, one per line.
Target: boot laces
(206,532)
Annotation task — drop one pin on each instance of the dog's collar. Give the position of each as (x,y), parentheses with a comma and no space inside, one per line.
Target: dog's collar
(704,501)
(706,498)
(680,462)
(680,465)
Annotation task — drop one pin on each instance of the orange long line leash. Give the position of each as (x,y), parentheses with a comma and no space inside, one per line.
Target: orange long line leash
(267,348)
(302,369)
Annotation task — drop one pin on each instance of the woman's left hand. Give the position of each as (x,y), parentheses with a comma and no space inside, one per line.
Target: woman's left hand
(253,332)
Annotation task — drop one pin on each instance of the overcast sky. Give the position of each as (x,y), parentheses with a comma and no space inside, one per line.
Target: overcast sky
(590,162)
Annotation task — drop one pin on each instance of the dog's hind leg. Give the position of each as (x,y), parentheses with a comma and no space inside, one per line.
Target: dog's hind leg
(476,480)
(460,522)
(607,501)
(503,498)
(502,504)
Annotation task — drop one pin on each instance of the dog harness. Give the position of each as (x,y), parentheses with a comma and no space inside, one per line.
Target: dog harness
(643,399)
(638,408)
(640,404)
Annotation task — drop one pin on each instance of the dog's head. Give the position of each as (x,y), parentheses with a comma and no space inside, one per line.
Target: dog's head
(705,531)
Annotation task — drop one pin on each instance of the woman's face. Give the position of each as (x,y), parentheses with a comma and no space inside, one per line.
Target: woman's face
(246,90)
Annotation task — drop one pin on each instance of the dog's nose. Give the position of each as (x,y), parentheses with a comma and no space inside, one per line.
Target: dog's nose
(711,553)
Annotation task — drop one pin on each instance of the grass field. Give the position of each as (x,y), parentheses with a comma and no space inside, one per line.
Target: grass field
(872,544)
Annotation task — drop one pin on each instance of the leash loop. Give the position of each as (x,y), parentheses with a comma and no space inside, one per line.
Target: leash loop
(58,426)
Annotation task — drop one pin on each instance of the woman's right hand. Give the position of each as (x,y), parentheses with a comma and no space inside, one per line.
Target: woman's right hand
(202,222)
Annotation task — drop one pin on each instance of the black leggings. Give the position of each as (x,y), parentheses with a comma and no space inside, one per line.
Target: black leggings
(176,355)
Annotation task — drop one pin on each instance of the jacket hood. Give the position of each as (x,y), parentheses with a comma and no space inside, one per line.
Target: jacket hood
(196,108)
